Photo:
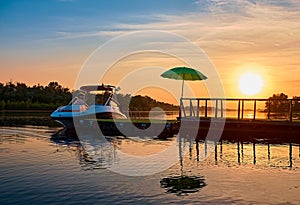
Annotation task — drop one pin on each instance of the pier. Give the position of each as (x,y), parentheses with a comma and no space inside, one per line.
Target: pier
(252,120)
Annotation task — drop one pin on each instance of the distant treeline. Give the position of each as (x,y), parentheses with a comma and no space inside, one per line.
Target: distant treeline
(143,103)
(279,103)
(19,96)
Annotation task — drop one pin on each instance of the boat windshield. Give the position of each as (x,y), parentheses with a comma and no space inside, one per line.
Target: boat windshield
(79,99)
(99,98)
(94,95)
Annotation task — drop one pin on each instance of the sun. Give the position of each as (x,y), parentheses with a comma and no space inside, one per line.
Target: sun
(250,84)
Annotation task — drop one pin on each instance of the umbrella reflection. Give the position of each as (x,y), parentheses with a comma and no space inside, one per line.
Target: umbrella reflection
(183,184)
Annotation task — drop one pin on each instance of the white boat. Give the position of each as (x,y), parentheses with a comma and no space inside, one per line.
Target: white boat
(90,102)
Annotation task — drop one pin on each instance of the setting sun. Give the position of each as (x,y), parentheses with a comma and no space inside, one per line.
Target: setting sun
(250,84)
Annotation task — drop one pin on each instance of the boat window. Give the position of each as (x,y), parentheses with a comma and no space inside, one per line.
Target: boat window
(78,101)
(101,99)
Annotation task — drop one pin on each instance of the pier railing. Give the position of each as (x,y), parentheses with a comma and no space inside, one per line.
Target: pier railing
(239,109)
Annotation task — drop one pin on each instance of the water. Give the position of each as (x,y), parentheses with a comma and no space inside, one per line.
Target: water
(37,168)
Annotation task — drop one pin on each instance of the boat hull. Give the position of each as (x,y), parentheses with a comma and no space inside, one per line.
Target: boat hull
(71,121)
(69,117)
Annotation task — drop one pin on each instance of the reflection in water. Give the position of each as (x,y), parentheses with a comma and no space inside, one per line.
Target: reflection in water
(225,153)
(273,155)
(125,155)
(254,154)
(183,184)
(90,157)
(38,170)
(239,153)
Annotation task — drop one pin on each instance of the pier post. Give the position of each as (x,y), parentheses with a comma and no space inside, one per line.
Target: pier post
(243,102)
(239,109)
(291,110)
(206,108)
(254,110)
(216,111)
(198,108)
(222,114)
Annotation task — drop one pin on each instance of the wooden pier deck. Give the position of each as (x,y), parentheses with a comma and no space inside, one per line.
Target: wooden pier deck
(250,131)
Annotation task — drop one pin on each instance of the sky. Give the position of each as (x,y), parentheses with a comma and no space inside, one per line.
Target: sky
(52,40)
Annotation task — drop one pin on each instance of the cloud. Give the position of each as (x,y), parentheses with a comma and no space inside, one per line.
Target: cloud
(231,32)
(266,33)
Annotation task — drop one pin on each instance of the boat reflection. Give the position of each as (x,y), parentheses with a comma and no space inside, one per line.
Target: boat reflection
(92,153)
(129,155)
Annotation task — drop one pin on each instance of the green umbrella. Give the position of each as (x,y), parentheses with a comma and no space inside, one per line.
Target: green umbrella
(183,73)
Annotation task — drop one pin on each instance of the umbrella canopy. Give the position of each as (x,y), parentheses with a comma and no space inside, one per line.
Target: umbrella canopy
(183,73)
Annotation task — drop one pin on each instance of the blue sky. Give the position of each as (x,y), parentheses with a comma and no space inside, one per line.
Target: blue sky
(29,20)
(40,27)
(51,36)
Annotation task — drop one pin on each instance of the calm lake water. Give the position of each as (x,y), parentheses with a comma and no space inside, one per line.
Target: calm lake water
(37,168)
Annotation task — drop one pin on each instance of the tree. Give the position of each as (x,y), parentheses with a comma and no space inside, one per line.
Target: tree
(278,103)
(296,104)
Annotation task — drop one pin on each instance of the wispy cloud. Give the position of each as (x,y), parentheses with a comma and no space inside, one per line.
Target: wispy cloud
(263,32)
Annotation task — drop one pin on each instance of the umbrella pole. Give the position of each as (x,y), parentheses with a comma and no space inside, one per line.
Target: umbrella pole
(181,104)
(182,88)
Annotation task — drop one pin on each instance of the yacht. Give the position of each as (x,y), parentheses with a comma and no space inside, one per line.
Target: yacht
(89,102)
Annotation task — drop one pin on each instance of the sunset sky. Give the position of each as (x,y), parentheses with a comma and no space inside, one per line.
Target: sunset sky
(50,40)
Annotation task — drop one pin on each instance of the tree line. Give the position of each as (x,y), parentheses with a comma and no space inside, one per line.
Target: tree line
(279,103)
(16,96)
(19,96)
(143,103)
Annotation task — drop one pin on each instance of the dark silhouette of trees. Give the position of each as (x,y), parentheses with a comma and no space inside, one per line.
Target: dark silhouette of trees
(296,104)
(19,96)
(145,103)
(142,103)
(278,103)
